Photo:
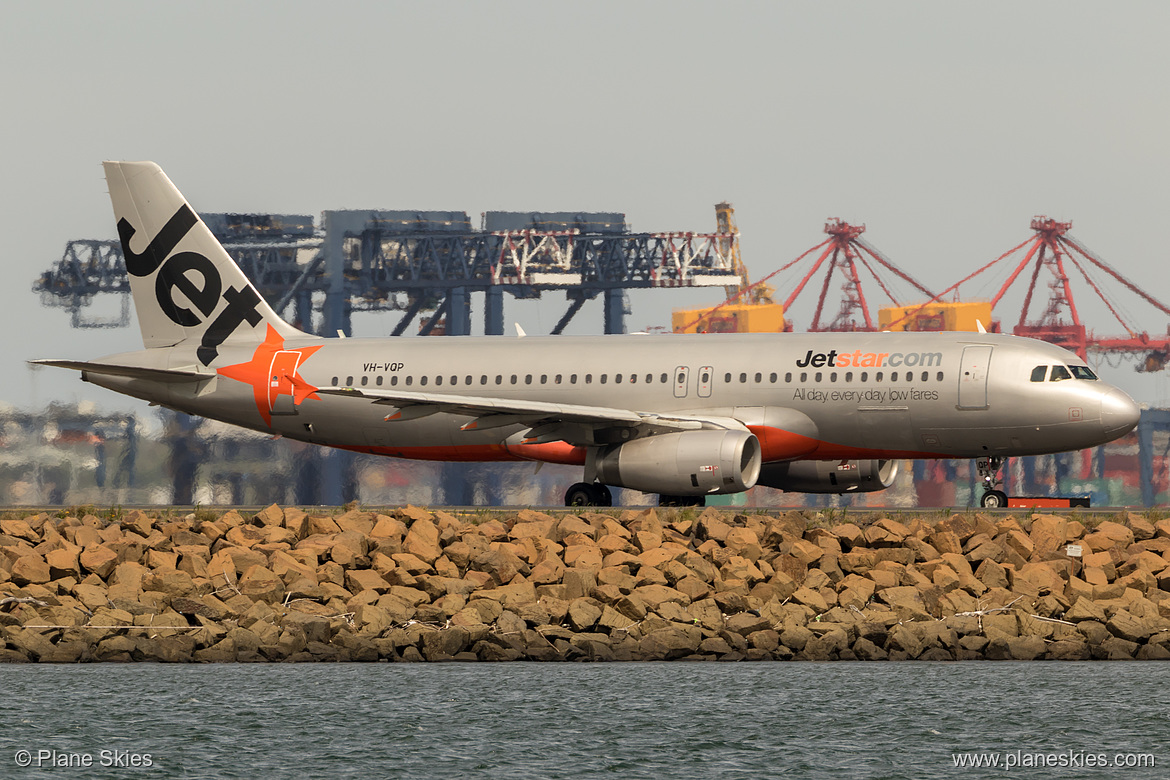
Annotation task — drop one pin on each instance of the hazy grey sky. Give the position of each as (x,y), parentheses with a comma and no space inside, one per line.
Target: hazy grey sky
(943,126)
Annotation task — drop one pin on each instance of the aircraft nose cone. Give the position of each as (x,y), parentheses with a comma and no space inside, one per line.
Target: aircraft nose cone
(1119,413)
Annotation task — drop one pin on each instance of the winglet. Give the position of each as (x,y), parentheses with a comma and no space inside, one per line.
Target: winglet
(979,324)
(519,331)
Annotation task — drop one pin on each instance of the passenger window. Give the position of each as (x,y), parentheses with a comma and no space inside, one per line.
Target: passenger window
(438,380)
(894,376)
(422,380)
(588,379)
(877,377)
(940,376)
(1059,373)
(393,381)
(349,381)
(649,378)
(848,376)
(759,378)
(455,380)
(513,379)
(772,378)
(1038,373)
(705,378)
(499,379)
(663,379)
(633,378)
(544,379)
(819,375)
(573,379)
(726,378)
(617,378)
(467,379)
(528,379)
(409,381)
(557,379)
(864,376)
(483,379)
(832,376)
(335,381)
(379,380)
(925,375)
(788,378)
(604,377)
(743,379)
(803,376)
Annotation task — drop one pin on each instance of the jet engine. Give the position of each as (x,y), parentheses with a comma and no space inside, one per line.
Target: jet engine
(691,463)
(830,476)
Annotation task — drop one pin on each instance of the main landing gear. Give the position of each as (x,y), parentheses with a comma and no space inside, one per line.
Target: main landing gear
(989,471)
(585,494)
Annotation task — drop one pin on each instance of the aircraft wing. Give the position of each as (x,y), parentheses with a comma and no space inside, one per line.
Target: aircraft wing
(575,423)
(131,372)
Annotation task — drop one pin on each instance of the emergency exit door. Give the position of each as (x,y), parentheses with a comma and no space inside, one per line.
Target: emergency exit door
(681,380)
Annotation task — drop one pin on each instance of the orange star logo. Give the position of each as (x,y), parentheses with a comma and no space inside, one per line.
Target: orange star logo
(272,372)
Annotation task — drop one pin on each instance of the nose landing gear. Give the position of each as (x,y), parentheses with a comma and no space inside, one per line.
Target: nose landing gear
(992,498)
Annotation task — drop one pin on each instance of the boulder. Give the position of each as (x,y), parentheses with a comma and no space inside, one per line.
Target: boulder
(747,623)
(99,560)
(1048,533)
(668,644)
(1129,627)
(358,580)
(584,613)
(1070,649)
(501,565)
(30,569)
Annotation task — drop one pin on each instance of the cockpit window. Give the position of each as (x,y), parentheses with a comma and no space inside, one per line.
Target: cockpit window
(1059,373)
(1038,373)
(1083,372)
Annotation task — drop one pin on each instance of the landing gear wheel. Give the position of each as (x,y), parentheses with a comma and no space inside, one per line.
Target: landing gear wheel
(604,497)
(994,499)
(989,473)
(584,494)
(667,500)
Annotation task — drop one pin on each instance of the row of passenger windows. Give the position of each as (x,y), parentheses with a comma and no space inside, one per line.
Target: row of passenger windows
(514,379)
(704,378)
(819,376)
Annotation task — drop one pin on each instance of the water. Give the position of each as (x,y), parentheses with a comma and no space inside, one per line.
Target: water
(518,720)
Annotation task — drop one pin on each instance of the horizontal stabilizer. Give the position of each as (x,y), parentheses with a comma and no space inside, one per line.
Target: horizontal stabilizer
(131,372)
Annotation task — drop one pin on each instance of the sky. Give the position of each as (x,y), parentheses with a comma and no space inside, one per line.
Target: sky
(944,127)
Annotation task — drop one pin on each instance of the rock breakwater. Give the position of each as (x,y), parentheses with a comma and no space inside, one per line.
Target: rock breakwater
(412,584)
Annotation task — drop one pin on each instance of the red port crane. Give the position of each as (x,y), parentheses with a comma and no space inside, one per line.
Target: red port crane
(844,250)
(1052,253)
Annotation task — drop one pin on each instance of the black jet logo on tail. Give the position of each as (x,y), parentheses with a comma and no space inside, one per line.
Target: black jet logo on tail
(172,275)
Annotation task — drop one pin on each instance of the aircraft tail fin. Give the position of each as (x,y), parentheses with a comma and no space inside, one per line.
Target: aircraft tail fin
(185,286)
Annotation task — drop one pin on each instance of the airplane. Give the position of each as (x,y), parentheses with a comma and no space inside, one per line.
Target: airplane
(683,416)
